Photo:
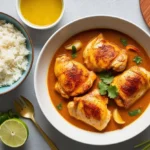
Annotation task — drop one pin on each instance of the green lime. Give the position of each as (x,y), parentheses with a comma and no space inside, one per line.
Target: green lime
(25,125)
(14,132)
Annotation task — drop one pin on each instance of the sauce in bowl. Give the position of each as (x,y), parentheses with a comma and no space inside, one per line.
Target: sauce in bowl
(41,12)
(113,36)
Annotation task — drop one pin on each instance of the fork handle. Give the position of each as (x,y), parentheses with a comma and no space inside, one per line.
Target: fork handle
(47,139)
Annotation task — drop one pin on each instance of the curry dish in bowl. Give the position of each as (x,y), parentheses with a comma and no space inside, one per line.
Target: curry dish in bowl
(99,79)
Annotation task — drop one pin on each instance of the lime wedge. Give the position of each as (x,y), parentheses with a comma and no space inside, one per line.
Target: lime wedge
(14,132)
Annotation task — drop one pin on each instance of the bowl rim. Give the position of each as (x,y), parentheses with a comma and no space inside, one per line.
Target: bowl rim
(32,48)
(35,83)
(34,26)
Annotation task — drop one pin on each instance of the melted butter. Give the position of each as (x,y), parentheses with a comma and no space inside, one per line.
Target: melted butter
(41,12)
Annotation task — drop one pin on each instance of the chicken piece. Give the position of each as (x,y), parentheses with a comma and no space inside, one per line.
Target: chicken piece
(91,109)
(131,85)
(73,78)
(100,55)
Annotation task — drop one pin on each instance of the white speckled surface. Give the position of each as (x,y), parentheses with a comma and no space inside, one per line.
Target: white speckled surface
(127,9)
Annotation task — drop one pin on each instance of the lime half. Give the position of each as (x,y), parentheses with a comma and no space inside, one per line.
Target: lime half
(13,132)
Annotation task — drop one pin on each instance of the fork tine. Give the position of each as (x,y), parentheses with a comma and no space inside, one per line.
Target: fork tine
(22,102)
(23,98)
(17,105)
(28,103)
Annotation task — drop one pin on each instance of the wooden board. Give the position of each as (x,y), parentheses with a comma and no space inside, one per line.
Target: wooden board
(145,9)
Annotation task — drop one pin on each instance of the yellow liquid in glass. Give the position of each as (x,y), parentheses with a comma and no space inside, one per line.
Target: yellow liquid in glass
(41,12)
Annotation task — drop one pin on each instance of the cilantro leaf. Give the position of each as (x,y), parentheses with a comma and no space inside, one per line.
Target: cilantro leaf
(106,77)
(134,112)
(74,55)
(137,60)
(74,52)
(59,106)
(124,42)
(102,88)
(112,91)
(7,115)
(105,87)
(108,80)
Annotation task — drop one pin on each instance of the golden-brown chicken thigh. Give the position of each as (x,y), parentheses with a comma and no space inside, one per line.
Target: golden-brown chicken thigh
(73,77)
(131,85)
(91,109)
(101,54)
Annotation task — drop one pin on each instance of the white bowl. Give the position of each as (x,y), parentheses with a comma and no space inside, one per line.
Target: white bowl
(41,89)
(37,26)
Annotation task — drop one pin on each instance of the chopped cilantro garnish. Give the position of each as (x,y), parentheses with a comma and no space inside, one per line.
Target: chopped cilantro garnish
(124,42)
(102,88)
(106,77)
(7,115)
(134,112)
(74,52)
(137,60)
(74,55)
(112,91)
(59,106)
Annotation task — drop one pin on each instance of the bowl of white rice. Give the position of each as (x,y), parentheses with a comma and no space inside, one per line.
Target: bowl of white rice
(16,53)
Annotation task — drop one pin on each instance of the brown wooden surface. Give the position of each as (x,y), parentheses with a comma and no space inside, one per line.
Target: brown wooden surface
(145,9)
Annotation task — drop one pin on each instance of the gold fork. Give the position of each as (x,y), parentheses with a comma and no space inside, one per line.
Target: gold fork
(25,108)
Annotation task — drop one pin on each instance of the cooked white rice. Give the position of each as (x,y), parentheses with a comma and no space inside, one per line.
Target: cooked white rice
(13,52)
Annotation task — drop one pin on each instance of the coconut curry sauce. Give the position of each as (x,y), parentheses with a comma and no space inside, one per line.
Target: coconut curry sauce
(85,37)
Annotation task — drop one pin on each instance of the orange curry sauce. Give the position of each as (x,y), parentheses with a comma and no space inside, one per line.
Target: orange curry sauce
(85,37)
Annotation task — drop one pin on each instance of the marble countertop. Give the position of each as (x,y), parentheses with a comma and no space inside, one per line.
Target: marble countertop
(75,9)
